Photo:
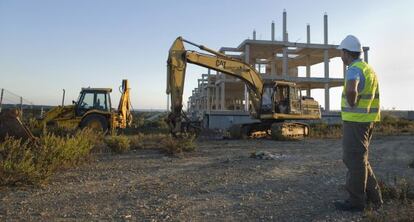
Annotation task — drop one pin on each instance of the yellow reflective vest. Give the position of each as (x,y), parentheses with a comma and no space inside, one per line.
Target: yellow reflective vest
(367,108)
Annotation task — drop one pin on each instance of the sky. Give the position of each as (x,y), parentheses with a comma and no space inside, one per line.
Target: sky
(50,45)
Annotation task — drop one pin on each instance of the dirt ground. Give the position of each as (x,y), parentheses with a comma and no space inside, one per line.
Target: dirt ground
(218,182)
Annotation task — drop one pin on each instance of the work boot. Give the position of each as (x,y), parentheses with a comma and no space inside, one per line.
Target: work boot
(347,206)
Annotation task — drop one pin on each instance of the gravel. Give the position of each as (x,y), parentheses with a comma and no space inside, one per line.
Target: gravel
(217,182)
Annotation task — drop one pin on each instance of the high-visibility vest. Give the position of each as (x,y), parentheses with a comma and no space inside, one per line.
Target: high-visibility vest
(367,108)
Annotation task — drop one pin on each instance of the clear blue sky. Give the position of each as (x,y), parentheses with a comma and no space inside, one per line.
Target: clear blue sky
(48,45)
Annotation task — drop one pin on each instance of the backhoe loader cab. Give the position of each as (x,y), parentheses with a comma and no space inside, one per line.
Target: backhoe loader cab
(93,99)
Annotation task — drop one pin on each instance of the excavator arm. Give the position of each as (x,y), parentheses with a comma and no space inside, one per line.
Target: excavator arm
(176,66)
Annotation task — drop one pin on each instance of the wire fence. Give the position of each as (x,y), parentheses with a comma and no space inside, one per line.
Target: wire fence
(10,100)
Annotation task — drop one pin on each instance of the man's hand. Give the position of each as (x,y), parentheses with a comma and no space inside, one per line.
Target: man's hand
(352,92)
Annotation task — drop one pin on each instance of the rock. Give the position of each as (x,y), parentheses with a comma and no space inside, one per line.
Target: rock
(265,155)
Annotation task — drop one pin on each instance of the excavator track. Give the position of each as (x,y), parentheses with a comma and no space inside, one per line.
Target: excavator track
(277,131)
(289,131)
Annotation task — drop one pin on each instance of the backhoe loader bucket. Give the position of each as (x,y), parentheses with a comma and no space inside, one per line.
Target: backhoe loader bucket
(11,125)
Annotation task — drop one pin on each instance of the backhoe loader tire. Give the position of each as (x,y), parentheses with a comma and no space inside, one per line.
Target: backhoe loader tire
(95,122)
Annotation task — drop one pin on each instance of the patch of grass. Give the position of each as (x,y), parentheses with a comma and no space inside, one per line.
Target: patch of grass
(400,203)
(118,143)
(325,131)
(389,125)
(402,190)
(395,212)
(392,125)
(178,145)
(33,163)
(147,141)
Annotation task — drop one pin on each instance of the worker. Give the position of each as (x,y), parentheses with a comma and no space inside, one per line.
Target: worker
(359,110)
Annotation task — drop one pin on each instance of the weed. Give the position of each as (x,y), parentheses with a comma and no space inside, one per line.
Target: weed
(147,141)
(118,144)
(33,163)
(402,190)
(178,145)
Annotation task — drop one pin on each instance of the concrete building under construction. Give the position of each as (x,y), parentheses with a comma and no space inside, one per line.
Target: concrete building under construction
(220,100)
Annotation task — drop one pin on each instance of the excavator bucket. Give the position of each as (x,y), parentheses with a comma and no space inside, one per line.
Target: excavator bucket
(11,125)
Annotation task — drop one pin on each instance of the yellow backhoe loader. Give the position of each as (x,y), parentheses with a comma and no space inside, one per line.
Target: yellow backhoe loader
(277,104)
(93,109)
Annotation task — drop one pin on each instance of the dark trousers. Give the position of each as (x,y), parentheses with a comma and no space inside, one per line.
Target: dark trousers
(361,183)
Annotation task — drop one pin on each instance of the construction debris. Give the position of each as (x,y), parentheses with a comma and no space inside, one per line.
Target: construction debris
(265,155)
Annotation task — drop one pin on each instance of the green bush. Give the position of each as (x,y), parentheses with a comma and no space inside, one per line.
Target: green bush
(178,145)
(32,163)
(118,144)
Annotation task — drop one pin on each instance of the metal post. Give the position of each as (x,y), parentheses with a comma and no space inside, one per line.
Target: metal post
(63,98)
(365,49)
(21,106)
(1,98)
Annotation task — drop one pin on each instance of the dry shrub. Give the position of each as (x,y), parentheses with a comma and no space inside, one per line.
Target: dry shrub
(401,190)
(118,143)
(325,131)
(147,141)
(174,146)
(395,212)
(391,125)
(400,197)
(33,163)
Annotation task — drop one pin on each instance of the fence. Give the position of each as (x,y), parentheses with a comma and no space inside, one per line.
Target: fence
(10,100)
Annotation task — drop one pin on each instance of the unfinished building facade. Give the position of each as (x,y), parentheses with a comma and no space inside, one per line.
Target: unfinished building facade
(220,100)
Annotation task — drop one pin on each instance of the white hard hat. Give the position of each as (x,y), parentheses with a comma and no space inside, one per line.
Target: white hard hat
(351,43)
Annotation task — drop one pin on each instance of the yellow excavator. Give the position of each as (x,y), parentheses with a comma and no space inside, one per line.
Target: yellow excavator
(92,109)
(276,104)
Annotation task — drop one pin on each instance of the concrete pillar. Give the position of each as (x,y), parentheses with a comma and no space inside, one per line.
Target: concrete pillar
(246,90)
(273,31)
(208,99)
(326,61)
(325,28)
(284,34)
(217,91)
(273,66)
(365,49)
(285,62)
(344,69)
(308,68)
(254,34)
(308,72)
(223,96)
